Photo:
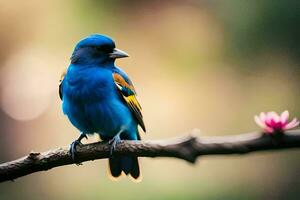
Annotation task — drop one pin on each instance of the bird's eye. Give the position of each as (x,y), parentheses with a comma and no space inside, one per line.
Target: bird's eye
(105,48)
(98,48)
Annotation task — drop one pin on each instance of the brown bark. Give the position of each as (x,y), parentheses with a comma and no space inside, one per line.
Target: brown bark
(188,148)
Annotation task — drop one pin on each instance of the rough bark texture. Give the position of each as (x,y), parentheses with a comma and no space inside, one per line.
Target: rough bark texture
(188,148)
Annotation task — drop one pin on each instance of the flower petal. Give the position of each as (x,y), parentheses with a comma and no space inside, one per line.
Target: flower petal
(284,117)
(268,118)
(259,122)
(268,130)
(275,117)
(263,117)
(292,124)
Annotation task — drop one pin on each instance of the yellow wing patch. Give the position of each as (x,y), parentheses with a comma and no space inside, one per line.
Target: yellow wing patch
(133,100)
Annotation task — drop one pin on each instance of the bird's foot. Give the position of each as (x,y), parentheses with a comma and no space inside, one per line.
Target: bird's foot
(73,150)
(114,142)
(73,146)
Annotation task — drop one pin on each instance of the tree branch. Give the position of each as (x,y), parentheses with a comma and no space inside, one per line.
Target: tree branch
(187,148)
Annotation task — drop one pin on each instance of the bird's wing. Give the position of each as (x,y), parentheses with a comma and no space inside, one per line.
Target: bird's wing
(60,89)
(127,91)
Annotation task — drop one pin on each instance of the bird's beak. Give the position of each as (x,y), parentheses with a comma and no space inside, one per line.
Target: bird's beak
(117,53)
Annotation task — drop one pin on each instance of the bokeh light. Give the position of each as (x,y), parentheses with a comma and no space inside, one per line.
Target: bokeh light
(27,85)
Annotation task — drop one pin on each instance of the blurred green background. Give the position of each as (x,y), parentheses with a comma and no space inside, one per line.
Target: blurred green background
(210,65)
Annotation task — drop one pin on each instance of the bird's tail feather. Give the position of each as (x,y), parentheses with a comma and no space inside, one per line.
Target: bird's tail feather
(127,164)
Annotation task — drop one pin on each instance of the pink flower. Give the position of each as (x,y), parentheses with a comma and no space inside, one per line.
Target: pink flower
(271,122)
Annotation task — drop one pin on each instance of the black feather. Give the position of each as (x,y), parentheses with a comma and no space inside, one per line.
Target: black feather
(115,166)
(135,168)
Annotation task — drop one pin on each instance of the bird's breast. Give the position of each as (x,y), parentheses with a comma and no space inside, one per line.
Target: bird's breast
(89,85)
(91,101)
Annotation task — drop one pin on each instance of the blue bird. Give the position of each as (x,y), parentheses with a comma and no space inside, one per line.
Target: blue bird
(99,98)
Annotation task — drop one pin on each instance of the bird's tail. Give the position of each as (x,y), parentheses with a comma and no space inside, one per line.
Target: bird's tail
(127,164)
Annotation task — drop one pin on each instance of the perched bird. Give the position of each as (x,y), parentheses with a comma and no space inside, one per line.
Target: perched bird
(99,98)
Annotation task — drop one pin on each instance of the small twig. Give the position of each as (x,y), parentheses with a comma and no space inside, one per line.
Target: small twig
(187,148)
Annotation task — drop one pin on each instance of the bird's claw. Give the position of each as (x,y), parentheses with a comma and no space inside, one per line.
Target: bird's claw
(114,142)
(73,146)
(73,150)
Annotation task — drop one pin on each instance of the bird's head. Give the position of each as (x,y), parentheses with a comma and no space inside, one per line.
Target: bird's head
(96,49)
